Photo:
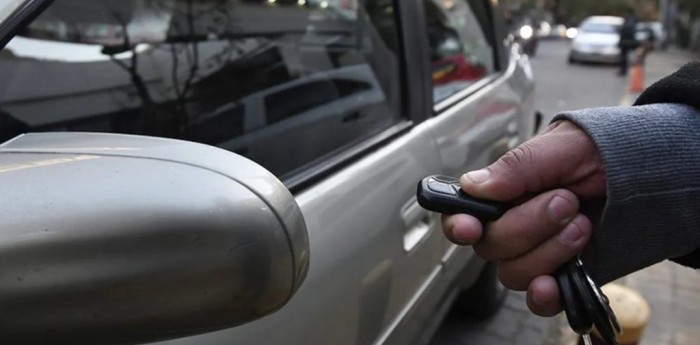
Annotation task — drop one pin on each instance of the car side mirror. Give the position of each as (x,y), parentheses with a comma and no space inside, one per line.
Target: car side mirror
(129,239)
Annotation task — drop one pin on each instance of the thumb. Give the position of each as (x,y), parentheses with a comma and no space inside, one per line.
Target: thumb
(564,156)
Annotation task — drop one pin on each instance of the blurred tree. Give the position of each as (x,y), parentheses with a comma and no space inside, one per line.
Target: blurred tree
(688,24)
(692,6)
(573,11)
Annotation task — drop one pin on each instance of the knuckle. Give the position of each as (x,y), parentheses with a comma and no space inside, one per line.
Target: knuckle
(580,226)
(518,157)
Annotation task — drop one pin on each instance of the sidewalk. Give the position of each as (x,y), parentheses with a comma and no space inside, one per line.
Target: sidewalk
(658,65)
(672,291)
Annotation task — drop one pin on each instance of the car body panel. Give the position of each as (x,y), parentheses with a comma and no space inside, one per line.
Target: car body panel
(480,128)
(359,268)
(608,57)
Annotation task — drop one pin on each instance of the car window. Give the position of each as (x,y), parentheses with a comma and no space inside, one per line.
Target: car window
(603,28)
(461,50)
(285,83)
(290,101)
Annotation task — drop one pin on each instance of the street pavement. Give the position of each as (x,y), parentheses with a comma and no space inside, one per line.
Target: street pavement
(672,291)
(561,86)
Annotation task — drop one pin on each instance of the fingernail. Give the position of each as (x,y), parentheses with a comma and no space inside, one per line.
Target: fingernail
(561,209)
(536,299)
(478,176)
(458,238)
(571,233)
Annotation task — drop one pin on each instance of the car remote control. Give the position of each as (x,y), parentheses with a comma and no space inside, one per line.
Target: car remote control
(585,304)
(444,195)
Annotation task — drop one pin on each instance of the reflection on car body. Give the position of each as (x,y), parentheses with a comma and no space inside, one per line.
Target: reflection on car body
(165,81)
(325,109)
(457,58)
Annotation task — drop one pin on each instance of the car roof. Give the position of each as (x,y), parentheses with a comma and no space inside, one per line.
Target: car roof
(605,20)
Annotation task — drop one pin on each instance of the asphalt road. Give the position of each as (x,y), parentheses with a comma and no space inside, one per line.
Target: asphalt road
(560,87)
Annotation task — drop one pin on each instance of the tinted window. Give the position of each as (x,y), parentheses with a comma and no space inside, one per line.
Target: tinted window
(295,100)
(461,50)
(286,83)
(604,28)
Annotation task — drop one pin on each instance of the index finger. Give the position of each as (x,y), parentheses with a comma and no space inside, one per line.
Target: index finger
(462,229)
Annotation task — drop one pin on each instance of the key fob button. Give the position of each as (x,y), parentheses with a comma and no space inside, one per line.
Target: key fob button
(445,179)
(441,187)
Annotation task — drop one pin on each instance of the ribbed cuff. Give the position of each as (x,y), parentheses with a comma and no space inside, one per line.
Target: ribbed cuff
(651,156)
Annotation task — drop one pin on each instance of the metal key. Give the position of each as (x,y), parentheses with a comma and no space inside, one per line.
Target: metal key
(585,304)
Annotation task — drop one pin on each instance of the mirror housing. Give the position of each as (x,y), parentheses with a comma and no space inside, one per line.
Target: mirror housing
(130,239)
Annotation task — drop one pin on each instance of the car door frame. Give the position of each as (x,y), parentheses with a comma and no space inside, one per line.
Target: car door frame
(23,13)
(439,291)
(460,266)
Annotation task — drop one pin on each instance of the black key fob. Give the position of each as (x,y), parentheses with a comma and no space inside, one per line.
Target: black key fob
(443,194)
(585,304)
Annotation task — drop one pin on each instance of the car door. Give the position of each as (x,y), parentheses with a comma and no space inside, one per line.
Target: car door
(483,87)
(194,70)
(372,248)
(482,97)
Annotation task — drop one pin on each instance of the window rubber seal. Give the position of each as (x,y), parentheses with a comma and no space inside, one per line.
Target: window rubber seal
(325,166)
(20,18)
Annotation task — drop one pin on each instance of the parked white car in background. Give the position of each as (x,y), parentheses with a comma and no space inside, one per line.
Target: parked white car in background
(597,40)
(644,29)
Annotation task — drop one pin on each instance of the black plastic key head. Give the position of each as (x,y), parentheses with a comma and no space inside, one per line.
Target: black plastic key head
(443,194)
(576,312)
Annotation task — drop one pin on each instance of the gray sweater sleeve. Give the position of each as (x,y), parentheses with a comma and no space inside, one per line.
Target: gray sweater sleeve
(651,155)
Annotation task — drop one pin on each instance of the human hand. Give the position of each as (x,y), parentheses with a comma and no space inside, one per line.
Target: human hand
(546,176)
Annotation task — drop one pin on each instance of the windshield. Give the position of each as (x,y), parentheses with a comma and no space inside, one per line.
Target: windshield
(604,28)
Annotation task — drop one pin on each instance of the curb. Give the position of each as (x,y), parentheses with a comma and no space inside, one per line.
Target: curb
(628,99)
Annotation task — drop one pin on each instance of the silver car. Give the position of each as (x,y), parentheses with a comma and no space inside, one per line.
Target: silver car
(597,40)
(349,104)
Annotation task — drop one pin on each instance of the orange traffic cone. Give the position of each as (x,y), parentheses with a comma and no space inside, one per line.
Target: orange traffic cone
(637,73)
(637,78)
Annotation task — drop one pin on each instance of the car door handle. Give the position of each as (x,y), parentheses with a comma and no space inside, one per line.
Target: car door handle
(356,116)
(418,222)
